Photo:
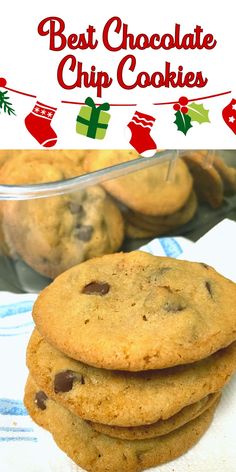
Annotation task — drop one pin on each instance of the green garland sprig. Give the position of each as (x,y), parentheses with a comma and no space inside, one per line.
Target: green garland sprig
(5,105)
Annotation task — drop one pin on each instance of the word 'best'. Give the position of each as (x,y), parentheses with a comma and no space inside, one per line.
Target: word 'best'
(116,36)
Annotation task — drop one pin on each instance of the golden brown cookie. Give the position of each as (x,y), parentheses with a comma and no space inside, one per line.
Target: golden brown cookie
(227,174)
(207,181)
(161,427)
(3,157)
(125,398)
(164,224)
(77,155)
(147,190)
(38,166)
(52,234)
(135,311)
(7,154)
(133,232)
(97,452)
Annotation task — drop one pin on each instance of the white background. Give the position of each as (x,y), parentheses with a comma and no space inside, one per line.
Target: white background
(28,65)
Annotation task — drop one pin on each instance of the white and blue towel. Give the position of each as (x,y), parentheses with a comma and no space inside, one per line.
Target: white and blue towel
(24,447)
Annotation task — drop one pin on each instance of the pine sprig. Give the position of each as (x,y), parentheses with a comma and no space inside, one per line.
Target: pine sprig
(5,105)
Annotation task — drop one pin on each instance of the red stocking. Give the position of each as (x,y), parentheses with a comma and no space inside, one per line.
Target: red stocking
(38,123)
(140,127)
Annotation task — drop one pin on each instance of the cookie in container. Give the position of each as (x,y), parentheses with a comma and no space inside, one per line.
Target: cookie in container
(52,234)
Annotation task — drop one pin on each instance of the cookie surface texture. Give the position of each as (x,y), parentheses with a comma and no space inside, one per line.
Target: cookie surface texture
(135,311)
(97,452)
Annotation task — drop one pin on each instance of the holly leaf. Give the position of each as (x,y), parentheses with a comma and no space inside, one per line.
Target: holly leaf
(183,122)
(198,113)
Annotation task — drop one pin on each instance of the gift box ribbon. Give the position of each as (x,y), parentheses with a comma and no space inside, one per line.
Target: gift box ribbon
(93,124)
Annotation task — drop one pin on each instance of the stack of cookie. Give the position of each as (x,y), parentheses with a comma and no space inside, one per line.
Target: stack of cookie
(212,177)
(154,202)
(128,358)
(151,203)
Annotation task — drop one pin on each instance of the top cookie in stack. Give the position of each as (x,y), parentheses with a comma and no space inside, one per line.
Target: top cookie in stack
(138,312)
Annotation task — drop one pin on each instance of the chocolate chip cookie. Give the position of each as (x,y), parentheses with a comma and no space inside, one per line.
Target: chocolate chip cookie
(124,398)
(77,155)
(3,157)
(6,155)
(98,452)
(147,190)
(163,224)
(53,234)
(227,174)
(161,427)
(133,232)
(207,181)
(135,311)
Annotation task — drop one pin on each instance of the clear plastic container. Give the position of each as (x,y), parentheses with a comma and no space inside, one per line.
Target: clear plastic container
(47,227)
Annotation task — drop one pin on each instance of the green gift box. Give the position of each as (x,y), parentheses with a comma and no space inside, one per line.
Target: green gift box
(93,121)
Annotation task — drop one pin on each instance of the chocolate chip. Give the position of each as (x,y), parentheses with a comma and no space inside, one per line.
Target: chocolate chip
(209,288)
(96,288)
(80,379)
(144,318)
(63,382)
(40,400)
(174,306)
(76,208)
(84,232)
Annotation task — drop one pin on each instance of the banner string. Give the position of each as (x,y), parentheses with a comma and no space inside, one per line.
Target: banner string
(121,104)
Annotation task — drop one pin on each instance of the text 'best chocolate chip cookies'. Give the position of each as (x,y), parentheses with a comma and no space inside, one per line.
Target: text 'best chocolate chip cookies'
(129,357)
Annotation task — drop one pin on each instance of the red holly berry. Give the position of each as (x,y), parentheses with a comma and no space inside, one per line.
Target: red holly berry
(176,107)
(183,101)
(184,110)
(3,82)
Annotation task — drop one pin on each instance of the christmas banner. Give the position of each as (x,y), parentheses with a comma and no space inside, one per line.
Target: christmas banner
(111,76)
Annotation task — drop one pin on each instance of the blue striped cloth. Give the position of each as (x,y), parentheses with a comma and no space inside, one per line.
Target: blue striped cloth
(16,427)
(16,325)
(21,441)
